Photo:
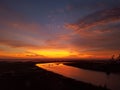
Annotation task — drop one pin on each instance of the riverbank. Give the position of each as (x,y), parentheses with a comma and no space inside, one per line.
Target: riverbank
(26,76)
(108,66)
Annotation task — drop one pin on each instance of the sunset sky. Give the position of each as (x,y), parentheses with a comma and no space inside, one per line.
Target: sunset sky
(59,28)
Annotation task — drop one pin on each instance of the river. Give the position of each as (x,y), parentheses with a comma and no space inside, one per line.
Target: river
(111,81)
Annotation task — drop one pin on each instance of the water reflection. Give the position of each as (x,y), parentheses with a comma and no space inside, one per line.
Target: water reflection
(111,81)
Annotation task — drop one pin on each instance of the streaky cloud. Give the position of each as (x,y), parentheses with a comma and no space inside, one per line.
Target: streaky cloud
(98,31)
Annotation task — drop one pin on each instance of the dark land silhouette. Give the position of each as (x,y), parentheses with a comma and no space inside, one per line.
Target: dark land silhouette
(26,76)
(107,66)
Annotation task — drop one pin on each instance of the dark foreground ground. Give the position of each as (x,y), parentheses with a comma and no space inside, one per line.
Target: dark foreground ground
(26,76)
(107,66)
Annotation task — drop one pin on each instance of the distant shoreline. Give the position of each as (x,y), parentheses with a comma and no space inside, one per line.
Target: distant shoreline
(102,66)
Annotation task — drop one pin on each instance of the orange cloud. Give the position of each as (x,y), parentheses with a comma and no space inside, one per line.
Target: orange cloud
(96,19)
(98,32)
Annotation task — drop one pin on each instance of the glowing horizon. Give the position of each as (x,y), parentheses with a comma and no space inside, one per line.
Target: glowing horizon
(59,29)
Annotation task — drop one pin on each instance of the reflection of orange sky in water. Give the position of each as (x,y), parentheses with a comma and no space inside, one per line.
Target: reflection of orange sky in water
(87,76)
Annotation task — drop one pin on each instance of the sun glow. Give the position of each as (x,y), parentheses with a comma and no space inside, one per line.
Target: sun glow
(53,53)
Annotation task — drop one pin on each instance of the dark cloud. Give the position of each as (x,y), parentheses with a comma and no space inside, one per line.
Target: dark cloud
(93,5)
(17,31)
(98,31)
(37,25)
(98,18)
(9,14)
(18,44)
